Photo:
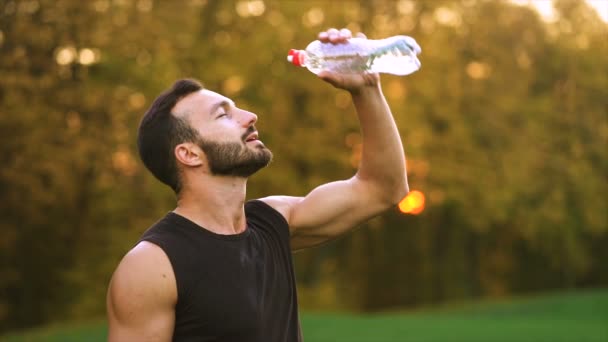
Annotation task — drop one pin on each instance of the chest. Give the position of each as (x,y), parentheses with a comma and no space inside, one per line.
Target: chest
(239,289)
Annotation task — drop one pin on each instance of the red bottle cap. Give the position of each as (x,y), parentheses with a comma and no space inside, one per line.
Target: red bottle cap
(294,57)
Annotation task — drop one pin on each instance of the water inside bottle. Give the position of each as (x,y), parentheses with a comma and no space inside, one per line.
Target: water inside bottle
(340,64)
(393,56)
(396,58)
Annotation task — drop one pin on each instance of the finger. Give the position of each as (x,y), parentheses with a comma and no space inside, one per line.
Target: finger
(323,36)
(361,35)
(345,33)
(334,35)
(333,31)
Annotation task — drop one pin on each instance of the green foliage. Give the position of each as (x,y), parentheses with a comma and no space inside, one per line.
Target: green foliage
(577,316)
(504,127)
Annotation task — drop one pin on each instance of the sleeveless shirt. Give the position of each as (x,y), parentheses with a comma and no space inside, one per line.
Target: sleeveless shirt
(231,287)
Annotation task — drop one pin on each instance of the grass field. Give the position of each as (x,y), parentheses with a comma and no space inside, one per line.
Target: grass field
(561,317)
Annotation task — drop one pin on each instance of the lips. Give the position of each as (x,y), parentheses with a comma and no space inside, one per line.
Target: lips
(251,137)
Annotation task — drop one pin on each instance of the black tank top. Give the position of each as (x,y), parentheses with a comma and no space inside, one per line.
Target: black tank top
(231,287)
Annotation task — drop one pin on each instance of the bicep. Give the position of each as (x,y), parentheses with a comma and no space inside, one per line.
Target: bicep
(141,297)
(329,211)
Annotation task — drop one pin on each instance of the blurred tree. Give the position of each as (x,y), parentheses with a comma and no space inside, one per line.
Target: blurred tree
(504,128)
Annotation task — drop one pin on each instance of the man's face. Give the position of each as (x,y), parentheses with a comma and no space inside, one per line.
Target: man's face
(227,134)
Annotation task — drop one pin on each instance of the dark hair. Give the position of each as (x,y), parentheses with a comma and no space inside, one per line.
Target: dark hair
(160,131)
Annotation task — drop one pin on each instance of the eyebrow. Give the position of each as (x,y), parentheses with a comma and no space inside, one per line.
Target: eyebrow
(216,106)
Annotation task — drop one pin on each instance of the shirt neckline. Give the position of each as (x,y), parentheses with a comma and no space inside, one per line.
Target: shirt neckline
(188,224)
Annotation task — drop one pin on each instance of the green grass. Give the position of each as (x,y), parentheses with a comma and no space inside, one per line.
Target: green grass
(567,317)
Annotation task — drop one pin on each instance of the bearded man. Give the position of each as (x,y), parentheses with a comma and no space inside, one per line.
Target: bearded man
(218,268)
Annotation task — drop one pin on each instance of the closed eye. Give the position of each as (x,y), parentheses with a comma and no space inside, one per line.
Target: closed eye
(223,107)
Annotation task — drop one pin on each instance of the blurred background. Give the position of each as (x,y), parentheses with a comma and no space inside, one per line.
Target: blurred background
(505,130)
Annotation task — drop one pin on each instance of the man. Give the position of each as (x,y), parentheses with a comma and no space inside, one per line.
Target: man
(218,268)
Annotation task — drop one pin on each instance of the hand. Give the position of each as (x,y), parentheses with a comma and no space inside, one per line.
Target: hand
(351,82)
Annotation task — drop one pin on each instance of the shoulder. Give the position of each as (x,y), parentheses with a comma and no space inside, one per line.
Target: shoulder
(277,207)
(144,279)
(142,296)
(281,204)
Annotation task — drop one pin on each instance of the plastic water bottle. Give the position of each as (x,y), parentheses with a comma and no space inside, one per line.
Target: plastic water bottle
(395,55)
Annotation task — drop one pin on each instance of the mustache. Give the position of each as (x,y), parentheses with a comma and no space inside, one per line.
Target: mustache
(249,130)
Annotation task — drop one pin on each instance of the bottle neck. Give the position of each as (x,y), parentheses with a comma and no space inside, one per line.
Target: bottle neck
(296,57)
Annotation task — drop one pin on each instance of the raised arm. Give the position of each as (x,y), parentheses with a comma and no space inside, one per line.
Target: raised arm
(380,182)
(141,297)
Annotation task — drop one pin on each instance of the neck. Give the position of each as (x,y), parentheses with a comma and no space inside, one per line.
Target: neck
(215,203)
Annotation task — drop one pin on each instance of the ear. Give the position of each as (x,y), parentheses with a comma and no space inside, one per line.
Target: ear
(188,154)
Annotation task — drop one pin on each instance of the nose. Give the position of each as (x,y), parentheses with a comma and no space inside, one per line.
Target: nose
(248,118)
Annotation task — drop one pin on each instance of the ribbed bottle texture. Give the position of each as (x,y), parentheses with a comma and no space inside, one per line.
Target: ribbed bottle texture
(395,55)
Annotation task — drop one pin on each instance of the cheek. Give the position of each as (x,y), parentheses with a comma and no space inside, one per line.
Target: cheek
(221,132)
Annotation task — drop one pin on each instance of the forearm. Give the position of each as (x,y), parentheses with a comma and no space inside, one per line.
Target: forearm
(382,160)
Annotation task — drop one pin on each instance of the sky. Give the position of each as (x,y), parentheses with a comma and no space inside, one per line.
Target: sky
(545,7)
(601,6)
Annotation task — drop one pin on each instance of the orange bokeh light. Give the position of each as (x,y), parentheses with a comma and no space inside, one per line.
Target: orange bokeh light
(413,203)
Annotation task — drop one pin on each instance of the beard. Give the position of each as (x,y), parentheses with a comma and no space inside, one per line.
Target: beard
(235,158)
